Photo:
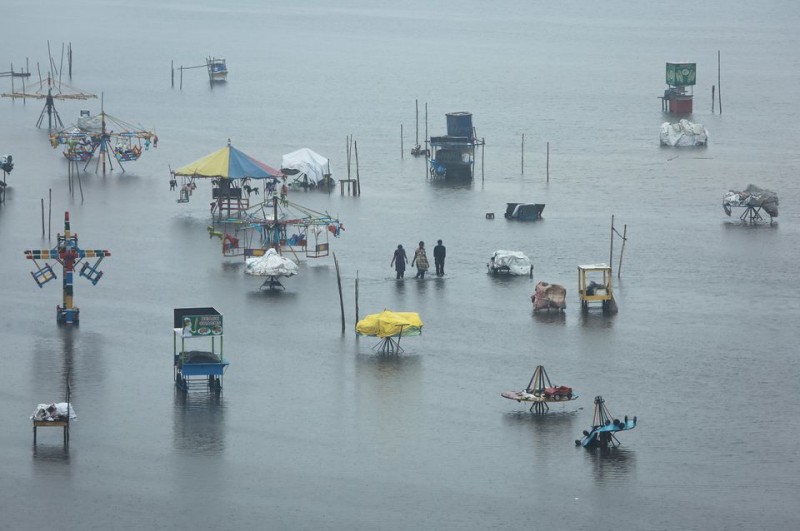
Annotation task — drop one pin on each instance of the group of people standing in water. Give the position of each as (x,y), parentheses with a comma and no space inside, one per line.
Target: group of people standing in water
(420,260)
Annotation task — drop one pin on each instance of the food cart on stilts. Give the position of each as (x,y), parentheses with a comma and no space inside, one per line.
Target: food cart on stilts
(198,369)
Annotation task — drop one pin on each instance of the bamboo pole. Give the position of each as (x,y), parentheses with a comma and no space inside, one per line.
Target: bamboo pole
(719,82)
(358,176)
(712,98)
(547,166)
(611,248)
(622,251)
(356,296)
(339,282)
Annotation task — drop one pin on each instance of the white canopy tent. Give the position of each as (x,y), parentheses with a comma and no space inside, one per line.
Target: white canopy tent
(307,165)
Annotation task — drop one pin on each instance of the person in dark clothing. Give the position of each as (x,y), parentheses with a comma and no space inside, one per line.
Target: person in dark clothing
(439,253)
(399,261)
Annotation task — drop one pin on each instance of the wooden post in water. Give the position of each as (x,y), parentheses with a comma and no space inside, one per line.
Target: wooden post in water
(719,83)
(358,176)
(522,150)
(483,145)
(712,98)
(69,59)
(547,167)
(339,281)
(611,249)
(356,296)
(622,251)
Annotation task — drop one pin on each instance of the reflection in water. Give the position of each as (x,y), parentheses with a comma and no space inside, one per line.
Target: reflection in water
(596,318)
(388,388)
(232,266)
(544,428)
(610,465)
(199,422)
(555,318)
(53,450)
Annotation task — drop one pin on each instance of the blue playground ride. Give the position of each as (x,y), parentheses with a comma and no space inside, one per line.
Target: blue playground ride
(604,428)
(198,369)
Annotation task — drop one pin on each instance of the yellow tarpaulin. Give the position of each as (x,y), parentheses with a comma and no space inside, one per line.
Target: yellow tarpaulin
(390,324)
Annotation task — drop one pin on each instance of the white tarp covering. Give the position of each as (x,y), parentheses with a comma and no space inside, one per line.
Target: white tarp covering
(683,133)
(57,411)
(512,262)
(270,265)
(306,161)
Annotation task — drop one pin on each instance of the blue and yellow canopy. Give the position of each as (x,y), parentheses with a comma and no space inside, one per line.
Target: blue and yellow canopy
(228,163)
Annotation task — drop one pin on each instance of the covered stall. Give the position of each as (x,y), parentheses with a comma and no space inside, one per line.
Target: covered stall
(193,369)
(308,168)
(510,263)
(390,327)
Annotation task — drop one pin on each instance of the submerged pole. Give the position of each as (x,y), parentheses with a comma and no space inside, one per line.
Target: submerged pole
(356,296)
(622,251)
(358,176)
(719,82)
(611,248)
(547,165)
(339,282)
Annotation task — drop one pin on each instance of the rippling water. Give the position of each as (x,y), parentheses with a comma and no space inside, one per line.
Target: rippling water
(316,430)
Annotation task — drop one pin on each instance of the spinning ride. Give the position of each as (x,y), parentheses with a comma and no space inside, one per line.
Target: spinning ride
(69,255)
(541,391)
(604,426)
(112,138)
(230,171)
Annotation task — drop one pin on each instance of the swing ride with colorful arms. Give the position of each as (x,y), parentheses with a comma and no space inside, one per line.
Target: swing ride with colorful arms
(69,255)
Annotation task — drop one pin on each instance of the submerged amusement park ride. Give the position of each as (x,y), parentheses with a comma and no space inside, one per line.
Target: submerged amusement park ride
(109,138)
(273,222)
(604,427)
(197,369)
(49,90)
(453,155)
(753,200)
(541,391)
(390,326)
(69,255)
(230,171)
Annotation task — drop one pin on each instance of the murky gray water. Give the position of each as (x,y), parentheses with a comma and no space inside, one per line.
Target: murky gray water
(313,429)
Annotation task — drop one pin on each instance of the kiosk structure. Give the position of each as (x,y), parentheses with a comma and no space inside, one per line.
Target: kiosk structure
(594,292)
(195,369)
(678,97)
(69,255)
